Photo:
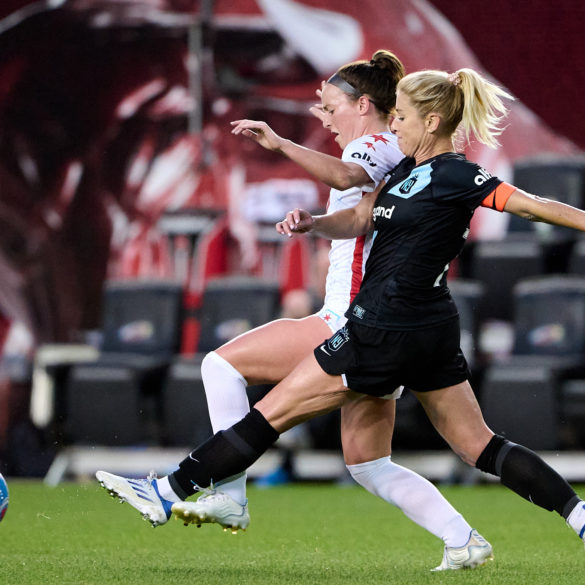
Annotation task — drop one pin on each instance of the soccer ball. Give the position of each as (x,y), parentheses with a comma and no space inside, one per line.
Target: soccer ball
(3,497)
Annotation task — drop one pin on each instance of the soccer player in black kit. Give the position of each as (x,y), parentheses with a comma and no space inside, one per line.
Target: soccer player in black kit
(403,326)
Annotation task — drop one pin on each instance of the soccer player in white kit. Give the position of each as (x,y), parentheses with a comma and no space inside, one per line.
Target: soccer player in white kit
(268,353)
(356,106)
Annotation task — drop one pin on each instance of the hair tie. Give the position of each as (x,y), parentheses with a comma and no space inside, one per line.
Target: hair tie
(454,78)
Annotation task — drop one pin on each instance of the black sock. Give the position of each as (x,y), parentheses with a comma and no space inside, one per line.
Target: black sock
(225,454)
(525,473)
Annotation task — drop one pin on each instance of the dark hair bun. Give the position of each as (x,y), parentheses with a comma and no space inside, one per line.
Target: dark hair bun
(389,61)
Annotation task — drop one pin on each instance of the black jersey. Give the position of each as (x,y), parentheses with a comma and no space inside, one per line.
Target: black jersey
(421,220)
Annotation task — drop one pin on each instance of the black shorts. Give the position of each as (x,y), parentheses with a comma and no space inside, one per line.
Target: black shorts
(376,361)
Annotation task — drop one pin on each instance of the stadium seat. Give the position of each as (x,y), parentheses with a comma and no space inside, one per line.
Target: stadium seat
(142,317)
(184,405)
(498,266)
(549,317)
(233,305)
(556,177)
(520,403)
(521,398)
(115,399)
(467,295)
(573,414)
(106,404)
(553,176)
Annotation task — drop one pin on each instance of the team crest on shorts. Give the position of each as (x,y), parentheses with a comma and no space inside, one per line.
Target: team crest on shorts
(335,342)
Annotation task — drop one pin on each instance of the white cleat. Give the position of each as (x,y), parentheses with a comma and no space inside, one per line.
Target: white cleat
(576,520)
(213,507)
(475,553)
(141,494)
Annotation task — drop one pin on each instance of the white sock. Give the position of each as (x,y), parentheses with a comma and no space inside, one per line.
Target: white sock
(235,487)
(576,519)
(165,489)
(417,497)
(227,402)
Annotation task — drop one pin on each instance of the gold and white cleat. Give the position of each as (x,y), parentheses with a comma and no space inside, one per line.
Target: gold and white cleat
(475,553)
(213,508)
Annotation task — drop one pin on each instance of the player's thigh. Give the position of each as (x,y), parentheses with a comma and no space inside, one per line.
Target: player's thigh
(455,413)
(305,393)
(367,425)
(270,352)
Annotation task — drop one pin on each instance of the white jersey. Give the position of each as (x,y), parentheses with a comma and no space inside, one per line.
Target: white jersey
(377,154)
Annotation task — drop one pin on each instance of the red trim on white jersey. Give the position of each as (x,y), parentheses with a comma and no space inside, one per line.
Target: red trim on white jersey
(357,267)
(347,258)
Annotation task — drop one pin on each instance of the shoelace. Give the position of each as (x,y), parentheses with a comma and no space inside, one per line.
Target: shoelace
(208,491)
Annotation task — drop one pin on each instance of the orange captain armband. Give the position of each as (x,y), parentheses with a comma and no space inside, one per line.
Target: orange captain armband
(498,197)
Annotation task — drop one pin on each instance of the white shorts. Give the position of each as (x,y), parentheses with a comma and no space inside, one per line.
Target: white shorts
(335,322)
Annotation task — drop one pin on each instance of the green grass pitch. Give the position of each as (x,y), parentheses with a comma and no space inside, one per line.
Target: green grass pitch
(300,534)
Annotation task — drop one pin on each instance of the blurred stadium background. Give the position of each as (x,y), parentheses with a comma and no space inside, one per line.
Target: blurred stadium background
(136,233)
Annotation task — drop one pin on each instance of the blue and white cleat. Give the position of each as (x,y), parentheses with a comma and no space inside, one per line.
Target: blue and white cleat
(213,507)
(576,520)
(141,494)
(475,553)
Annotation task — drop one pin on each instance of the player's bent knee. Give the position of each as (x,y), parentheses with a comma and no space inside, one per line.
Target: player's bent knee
(213,365)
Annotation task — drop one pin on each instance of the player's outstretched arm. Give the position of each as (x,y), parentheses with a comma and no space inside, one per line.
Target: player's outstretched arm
(535,208)
(330,170)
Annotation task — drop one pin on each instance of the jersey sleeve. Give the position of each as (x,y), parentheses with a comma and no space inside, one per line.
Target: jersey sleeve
(377,154)
(498,197)
(465,182)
